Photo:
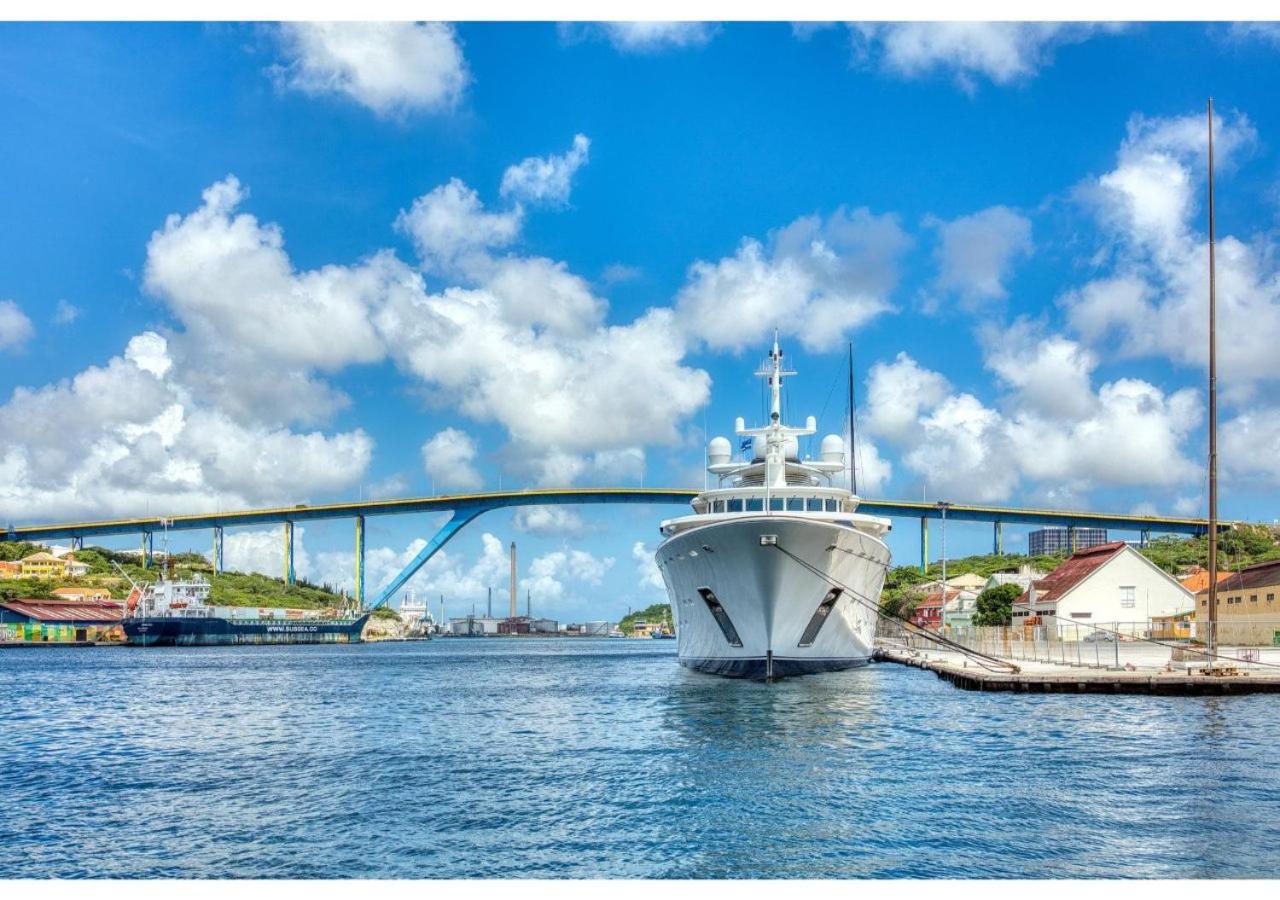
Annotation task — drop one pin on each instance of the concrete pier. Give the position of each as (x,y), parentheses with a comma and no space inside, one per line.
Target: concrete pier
(1045,677)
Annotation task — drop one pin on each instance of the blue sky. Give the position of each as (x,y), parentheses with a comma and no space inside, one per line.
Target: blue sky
(247,265)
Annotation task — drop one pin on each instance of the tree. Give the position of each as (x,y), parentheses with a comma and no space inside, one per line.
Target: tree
(995,605)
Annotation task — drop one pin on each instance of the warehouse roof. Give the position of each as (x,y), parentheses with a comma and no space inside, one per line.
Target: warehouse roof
(66,610)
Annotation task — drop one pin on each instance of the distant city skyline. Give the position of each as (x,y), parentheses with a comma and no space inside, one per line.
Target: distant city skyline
(249,265)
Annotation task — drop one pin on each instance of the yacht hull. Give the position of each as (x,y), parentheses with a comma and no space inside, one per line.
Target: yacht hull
(748,609)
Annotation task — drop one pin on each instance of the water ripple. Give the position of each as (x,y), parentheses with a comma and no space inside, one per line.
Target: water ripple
(599,758)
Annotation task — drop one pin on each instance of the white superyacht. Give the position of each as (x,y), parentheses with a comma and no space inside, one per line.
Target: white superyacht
(774,573)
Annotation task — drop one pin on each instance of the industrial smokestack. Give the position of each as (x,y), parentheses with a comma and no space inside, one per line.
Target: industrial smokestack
(528,604)
(490,612)
(513,579)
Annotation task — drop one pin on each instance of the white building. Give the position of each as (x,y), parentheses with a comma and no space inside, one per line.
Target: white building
(1022,578)
(1110,586)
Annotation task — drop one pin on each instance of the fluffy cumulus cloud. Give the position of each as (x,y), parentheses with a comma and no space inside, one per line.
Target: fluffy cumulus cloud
(1126,432)
(648,575)
(549,520)
(449,461)
(546,179)
(453,233)
(255,330)
(225,407)
(392,68)
(1149,297)
(15,328)
(1001,52)
(563,577)
(128,436)
(976,253)
(643,37)
(1250,446)
(816,279)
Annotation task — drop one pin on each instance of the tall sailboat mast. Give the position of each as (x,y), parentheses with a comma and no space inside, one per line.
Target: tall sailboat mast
(1212,618)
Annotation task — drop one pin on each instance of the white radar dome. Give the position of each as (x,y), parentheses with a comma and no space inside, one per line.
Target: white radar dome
(719,451)
(833,449)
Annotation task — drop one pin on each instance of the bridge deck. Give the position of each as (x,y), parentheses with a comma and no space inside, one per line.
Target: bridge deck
(662,496)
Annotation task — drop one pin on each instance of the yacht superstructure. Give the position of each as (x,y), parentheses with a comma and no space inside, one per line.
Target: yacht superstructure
(775,573)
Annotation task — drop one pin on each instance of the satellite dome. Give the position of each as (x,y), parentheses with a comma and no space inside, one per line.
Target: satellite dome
(719,451)
(832,449)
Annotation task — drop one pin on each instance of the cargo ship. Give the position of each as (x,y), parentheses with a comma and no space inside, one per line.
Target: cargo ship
(171,613)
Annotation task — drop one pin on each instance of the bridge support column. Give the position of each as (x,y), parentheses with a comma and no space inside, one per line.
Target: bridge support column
(1071,539)
(359,585)
(147,550)
(1144,538)
(998,538)
(455,524)
(77,543)
(218,560)
(289,575)
(924,544)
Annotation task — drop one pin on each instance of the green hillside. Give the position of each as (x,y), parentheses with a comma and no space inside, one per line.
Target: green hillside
(226,589)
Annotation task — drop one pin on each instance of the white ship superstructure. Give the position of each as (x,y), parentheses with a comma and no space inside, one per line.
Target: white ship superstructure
(774,573)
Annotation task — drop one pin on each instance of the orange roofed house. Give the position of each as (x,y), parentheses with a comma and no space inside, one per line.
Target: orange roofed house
(1110,586)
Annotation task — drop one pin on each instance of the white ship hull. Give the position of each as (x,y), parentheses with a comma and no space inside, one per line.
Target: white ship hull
(769,623)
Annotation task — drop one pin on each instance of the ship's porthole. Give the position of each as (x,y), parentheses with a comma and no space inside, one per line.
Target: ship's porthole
(708,549)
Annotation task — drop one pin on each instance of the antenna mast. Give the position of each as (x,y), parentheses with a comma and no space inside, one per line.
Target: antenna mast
(853,429)
(1212,618)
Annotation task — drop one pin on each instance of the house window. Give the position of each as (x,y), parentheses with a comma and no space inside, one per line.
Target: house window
(1271,597)
(1253,598)
(1128,596)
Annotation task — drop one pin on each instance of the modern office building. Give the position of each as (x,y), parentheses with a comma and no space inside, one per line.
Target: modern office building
(1048,541)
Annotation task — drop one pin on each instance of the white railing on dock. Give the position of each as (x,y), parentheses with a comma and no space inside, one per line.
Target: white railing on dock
(1114,645)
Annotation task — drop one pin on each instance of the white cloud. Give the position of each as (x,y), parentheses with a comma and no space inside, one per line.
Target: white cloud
(897,392)
(1126,433)
(262,551)
(15,327)
(127,437)
(815,279)
(647,571)
(1251,446)
(1151,299)
(644,37)
(448,459)
(1050,374)
(975,253)
(548,574)
(546,180)
(254,329)
(548,520)
(65,313)
(451,231)
(1002,52)
(873,470)
(392,68)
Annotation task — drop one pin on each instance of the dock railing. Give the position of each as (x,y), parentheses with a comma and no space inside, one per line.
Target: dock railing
(1110,645)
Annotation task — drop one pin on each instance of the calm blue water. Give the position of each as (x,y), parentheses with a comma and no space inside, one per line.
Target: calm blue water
(563,758)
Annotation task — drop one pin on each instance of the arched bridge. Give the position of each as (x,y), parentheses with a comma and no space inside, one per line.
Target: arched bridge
(466,507)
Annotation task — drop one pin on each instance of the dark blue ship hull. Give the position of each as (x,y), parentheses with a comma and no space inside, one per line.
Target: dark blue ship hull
(201,632)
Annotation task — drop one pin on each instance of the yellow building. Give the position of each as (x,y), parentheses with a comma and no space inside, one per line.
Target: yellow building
(46,565)
(1248,606)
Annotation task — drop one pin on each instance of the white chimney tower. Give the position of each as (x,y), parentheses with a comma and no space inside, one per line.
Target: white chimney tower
(513,579)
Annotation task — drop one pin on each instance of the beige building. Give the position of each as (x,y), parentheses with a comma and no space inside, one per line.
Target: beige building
(1248,605)
(82,594)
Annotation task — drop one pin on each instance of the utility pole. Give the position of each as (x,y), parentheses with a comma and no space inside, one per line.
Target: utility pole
(942,610)
(1212,619)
